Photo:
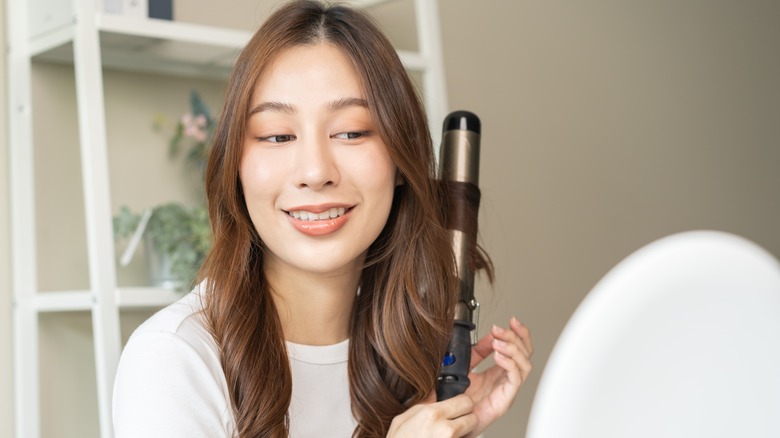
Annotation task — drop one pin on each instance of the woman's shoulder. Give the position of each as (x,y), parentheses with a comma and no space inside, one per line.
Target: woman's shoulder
(177,336)
(170,379)
(183,320)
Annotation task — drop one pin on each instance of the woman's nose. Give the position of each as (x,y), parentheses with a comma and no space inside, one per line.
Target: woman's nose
(315,165)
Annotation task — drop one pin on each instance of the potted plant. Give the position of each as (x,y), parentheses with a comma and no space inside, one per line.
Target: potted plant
(176,237)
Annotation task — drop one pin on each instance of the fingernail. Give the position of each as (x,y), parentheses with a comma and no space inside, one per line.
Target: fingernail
(499,355)
(498,330)
(498,343)
(515,320)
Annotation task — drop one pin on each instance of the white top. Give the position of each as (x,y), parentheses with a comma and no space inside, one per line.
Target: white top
(170,382)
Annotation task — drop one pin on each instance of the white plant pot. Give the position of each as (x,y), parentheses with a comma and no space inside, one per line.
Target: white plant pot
(159,267)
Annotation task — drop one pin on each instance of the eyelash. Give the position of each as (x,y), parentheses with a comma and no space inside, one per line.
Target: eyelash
(269,138)
(290,137)
(360,134)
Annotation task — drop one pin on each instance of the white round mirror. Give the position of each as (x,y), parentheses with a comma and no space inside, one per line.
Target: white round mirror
(681,339)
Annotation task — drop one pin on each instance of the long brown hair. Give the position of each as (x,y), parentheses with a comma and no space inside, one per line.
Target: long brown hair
(402,318)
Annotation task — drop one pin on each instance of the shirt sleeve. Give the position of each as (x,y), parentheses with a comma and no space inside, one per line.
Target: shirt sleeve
(165,388)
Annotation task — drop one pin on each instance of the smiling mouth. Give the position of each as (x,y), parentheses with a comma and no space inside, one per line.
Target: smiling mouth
(331,213)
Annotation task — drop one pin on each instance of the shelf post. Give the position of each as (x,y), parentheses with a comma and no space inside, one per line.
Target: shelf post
(97,205)
(23,239)
(434,84)
(23,242)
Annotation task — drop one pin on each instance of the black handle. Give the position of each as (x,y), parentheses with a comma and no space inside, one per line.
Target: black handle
(454,374)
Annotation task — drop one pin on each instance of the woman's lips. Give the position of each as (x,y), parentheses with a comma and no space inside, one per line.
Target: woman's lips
(319,220)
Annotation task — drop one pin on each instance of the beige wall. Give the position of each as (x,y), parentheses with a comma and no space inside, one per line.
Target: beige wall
(606,125)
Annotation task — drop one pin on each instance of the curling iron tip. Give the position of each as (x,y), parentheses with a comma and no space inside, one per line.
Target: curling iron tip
(462,120)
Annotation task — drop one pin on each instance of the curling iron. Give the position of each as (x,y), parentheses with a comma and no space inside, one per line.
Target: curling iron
(459,174)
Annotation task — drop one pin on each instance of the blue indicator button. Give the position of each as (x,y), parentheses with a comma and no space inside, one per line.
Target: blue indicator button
(449,359)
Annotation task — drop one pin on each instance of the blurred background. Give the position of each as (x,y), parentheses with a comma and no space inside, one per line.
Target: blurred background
(606,125)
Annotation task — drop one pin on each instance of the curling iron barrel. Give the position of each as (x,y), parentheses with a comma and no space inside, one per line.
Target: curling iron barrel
(459,174)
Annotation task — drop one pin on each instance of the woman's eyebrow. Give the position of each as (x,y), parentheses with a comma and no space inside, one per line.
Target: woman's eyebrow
(333,106)
(347,102)
(273,106)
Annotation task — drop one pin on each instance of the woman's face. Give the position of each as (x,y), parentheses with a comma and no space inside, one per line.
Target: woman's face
(318,180)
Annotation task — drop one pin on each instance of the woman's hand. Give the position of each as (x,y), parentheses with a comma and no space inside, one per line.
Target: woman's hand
(489,396)
(494,389)
(451,418)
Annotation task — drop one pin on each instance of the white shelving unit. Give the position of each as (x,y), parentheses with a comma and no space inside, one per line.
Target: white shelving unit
(90,41)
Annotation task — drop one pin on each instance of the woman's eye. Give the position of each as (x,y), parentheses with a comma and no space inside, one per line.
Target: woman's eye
(351,135)
(283,138)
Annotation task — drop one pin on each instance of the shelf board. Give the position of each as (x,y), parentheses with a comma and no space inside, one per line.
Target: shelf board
(146,297)
(367,3)
(169,46)
(175,31)
(163,46)
(64,301)
(127,298)
(151,45)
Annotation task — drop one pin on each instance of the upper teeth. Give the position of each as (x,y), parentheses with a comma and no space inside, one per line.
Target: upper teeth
(309,216)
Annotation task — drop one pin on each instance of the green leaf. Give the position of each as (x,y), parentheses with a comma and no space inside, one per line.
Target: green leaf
(125,222)
(175,143)
(197,106)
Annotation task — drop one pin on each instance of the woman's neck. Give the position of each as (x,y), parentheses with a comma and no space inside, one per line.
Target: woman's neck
(314,309)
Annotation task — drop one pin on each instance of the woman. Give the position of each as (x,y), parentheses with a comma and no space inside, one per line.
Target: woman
(328,294)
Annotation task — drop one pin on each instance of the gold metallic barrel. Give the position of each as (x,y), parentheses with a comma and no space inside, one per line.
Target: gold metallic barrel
(459,172)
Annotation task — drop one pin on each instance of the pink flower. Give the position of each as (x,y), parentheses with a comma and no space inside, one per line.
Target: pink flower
(193,127)
(199,135)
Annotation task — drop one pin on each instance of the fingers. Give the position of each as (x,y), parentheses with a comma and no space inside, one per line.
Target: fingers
(449,418)
(519,333)
(513,359)
(481,350)
(494,389)
(447,409)
(514,345)
(456,406)
(506,391)
(464,424)
(522,332)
